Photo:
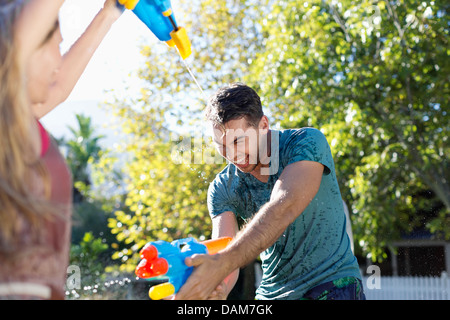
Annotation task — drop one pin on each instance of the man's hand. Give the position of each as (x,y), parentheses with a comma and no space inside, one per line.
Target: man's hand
(209,272)
(220,293)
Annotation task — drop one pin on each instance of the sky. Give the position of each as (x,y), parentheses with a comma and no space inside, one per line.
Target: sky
(117,57)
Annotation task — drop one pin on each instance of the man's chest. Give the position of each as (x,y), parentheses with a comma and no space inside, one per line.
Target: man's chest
(251,197)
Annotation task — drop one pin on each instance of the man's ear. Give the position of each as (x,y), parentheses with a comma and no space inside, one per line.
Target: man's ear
(263,125)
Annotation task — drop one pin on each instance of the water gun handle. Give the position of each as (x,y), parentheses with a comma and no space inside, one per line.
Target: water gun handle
(167,289)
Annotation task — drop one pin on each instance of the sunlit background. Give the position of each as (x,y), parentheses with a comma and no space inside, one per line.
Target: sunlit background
(112,67)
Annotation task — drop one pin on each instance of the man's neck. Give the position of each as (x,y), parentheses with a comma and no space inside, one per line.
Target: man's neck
(264,163)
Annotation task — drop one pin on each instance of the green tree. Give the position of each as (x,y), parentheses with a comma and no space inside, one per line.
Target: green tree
(86,256)
(374,76)
(82,149)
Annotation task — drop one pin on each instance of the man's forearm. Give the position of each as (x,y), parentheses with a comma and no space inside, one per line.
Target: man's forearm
(260,233)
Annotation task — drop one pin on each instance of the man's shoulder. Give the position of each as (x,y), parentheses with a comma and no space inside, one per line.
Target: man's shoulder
(222,195)
(300,133)
(294,137)
(224,174)
(224,178)
(305,144)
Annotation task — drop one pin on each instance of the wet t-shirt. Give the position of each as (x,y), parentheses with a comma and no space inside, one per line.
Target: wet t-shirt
(315,248)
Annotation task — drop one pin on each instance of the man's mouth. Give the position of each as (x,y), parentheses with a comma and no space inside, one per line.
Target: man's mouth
(243,163)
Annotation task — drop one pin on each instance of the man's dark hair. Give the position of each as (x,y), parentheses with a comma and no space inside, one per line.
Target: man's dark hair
(233,102)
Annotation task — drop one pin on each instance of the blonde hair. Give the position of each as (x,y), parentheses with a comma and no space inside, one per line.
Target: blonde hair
(24,183)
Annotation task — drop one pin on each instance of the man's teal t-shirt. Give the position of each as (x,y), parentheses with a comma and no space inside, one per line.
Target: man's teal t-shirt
(315,248)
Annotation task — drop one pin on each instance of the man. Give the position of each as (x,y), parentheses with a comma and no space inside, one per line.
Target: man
(283,184)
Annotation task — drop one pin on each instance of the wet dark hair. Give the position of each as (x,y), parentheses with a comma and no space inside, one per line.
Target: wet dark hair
(232,102)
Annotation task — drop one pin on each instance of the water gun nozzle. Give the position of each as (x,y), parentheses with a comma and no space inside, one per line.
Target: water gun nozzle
(182,42)
(148,252)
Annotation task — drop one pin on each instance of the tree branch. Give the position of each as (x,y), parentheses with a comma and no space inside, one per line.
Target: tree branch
(396,21)
(341,22)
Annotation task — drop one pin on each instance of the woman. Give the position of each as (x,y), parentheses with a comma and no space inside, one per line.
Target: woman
(35,184)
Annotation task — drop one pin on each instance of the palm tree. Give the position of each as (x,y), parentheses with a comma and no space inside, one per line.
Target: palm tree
(81,149)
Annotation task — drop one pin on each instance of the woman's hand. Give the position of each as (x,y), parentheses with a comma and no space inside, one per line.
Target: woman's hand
(114,8)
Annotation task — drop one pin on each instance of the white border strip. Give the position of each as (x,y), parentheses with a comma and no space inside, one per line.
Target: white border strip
(25,289)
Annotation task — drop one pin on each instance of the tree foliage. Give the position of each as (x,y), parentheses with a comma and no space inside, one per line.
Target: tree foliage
(374,77)
(83,148)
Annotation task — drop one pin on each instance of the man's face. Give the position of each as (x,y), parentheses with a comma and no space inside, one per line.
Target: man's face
(239,143)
